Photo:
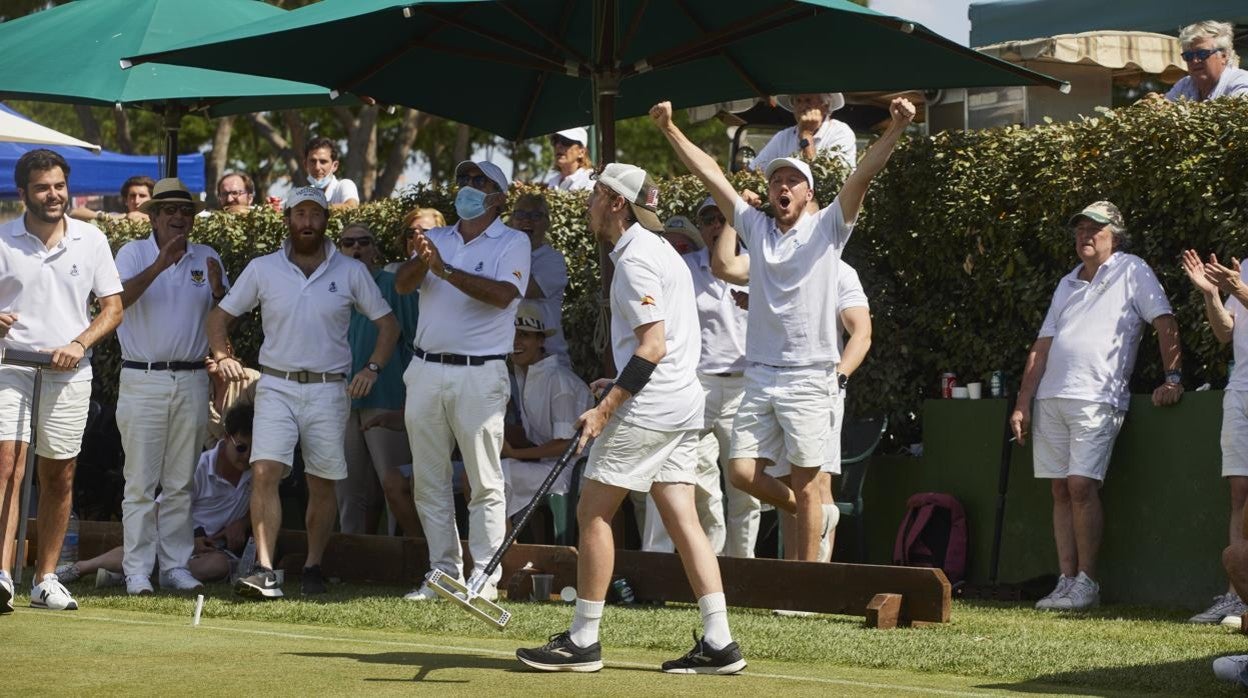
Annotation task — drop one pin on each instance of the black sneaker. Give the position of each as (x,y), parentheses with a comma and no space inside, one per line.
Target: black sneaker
(561,654)
(6,595)
(313,582)
(704,660)
(260,584)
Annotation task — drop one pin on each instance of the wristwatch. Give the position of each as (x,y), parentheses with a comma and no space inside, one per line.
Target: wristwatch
(447,270)
(372,366)
(803,144)
(842,380)
(1174,377)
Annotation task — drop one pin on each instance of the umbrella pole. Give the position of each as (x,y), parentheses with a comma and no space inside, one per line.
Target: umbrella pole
(173,118)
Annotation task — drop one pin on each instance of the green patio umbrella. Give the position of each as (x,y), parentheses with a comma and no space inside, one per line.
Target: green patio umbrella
(524,68)
(71,53)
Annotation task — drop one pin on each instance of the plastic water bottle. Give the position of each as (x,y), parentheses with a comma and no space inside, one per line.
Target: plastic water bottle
(69,548)
(248,560)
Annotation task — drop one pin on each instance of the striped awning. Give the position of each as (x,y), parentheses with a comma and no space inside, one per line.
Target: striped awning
(1126,53)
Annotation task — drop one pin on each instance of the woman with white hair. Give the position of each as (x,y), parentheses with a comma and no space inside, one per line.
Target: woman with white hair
(816,131)
(1212,65)
(572,168)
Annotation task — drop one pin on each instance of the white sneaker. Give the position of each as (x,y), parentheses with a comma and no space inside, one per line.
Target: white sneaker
(1232,622)
(106,578)
(6,594)
(424,593)
(1063,585)
(50,595)
(1083,593)
(180,579)
(137,584)
(831,516)
(1230,668)
(1225,605)
(68,574)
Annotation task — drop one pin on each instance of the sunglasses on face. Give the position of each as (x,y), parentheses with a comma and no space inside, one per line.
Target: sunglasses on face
(475,181)
(352,242)
(528,215)
(1201,54)
(411,232)
(241,448)
(711,218)
(563,142)
(174,209)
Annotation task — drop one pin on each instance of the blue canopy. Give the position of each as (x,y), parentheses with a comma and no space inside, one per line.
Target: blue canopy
(98,174)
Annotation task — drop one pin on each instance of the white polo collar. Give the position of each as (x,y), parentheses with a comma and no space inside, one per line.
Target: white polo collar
(629,235)
(496,228)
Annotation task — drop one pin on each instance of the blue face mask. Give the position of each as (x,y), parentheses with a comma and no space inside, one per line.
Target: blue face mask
(319,183)
(470,203)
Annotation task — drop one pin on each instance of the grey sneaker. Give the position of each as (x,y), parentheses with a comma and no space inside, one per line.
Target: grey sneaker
(1230,668)
(262,583)
(105,578)
(1228,604)
(1063,585)
(1083,594)
(68,574)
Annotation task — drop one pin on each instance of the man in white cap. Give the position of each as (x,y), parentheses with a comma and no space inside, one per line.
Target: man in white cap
(572,169)
(306,291)
(815,132)
(170,285)
(791,343)
(551,399)
(52,265)
(471,277)
(1078,372)
(646,430)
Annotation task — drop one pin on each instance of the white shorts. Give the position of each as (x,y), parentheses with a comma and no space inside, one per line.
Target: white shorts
(1073,437)
(782,468)
(63,411)
(1235,433)
(786,413)
(626,455)
(312,415)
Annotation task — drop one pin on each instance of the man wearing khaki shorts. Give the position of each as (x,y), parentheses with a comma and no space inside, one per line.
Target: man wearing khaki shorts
(51,264)
(1078,372)
(647,428)
(306,292)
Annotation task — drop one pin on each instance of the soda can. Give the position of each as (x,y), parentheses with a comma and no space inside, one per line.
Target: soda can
(996,385)
(623,592)
(947,383)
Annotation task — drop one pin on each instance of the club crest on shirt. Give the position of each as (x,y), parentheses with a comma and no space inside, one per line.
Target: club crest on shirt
(333,287)
(197,277)
(73,270)
(480,267)
(648,300)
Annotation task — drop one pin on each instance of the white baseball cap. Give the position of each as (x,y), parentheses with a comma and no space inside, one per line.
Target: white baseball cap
(302,194)
(681,225)
(836,100)
(796,164)
(489,169)
(578,134)
(632,183)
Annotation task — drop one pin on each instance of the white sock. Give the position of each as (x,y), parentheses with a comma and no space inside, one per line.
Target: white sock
(715,620)
(585,622)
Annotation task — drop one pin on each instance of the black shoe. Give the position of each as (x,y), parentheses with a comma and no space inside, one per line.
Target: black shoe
(313,582)
(561,654)
(6,596)
(704,660)
(260,584)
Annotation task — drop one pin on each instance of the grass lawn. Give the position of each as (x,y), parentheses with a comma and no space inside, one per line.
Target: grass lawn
(366,638)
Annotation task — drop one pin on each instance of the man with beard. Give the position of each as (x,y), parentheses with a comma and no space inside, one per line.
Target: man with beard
(791,338)
(50,265)
(471,276)
(306,291)
(162,401)
(645,428)
(548,277)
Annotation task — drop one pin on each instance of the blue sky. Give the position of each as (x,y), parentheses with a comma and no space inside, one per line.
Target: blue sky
(945,17)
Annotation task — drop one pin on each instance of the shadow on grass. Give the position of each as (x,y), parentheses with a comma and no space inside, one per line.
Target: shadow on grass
(1187,677)
(429,662)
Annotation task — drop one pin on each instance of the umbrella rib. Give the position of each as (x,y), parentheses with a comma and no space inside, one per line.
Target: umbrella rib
(564,20)
(709,43)
(385,60)
(634,25)
(555,64)
(511,61)
(542,32)
(736,65)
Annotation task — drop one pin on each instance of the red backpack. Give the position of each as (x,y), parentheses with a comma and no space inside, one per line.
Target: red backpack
(933,534)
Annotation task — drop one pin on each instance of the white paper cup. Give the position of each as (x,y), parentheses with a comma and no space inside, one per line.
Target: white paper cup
(960,393)
(975,390)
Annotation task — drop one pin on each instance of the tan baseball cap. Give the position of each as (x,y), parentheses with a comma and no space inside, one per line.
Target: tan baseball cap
(1102,212)
(632,183)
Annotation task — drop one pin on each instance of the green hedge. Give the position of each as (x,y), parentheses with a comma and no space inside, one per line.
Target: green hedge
(960,245)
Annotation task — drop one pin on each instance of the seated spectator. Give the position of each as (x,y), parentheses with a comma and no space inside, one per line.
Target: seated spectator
(134,191)
(816,131)
(548,275)
(220,498)
(573,170)
(1212,65)
(320,160)
(552,397)
(416,222)
(682,234)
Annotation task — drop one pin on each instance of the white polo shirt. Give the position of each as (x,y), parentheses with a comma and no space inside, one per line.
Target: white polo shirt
(552,397)
(849,294)
(49,289)
(1096,328)
(452,322)
(550,273)
(1239,344)
(722,322)
(166,323)
(340,191)
(305,318)
(652,283)
(215,503)
(580,180)
(832,134)
(793,284)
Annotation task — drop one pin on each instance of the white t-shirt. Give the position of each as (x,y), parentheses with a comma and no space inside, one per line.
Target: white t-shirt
(49,289)
(550,273)
(451,321)
(849,294)
(305,318)
(1232,83)
(832,135)
(652,283)
(722,322)
(166,323)
(1096,328)
(793,276)
(551,399)
(215,503)
(579,180)
(1239,344)
(340,191)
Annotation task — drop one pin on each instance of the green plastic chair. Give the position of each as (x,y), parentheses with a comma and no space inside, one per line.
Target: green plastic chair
(563,507)
(859,439)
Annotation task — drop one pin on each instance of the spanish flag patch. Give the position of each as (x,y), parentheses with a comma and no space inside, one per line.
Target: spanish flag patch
(647,300)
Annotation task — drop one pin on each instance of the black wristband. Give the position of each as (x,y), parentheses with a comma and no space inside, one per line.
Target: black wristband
(635,375)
